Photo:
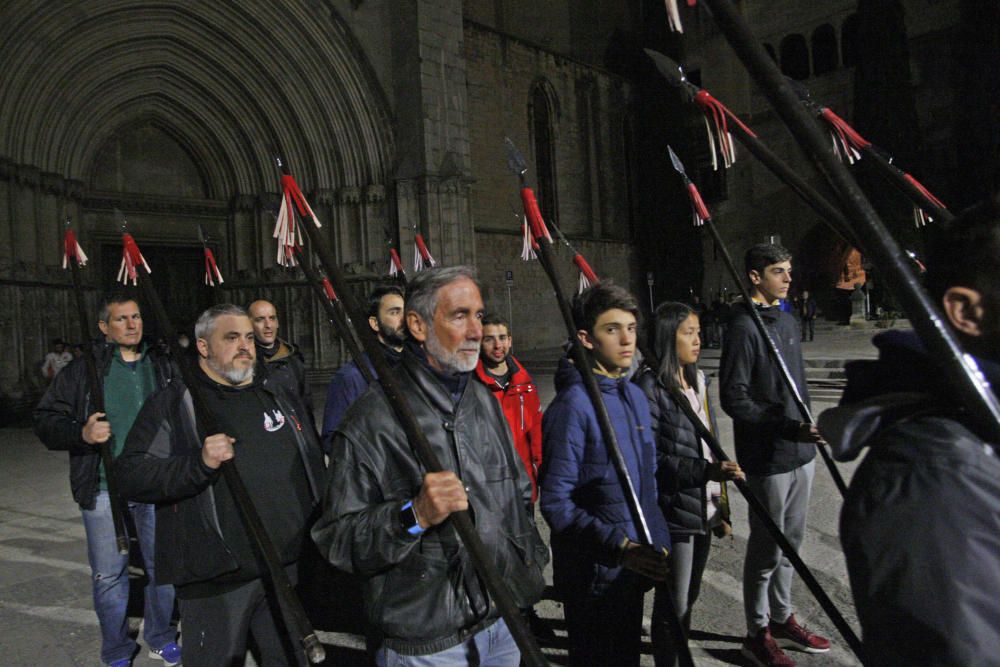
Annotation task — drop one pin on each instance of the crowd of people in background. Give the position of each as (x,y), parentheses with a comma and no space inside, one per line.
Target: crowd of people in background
(351,483)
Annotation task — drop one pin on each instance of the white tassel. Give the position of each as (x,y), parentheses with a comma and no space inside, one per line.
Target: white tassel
(527,251)
(673,16)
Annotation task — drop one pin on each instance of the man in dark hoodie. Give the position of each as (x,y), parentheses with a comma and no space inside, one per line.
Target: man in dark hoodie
(202,546)
(600,568)
(920,524)
(280,359)
(385,317)
(775,448)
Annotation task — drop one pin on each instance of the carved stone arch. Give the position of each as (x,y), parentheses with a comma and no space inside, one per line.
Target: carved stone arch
(543,116)
(287,74)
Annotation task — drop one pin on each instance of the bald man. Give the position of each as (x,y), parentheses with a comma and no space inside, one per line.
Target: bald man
(281,361)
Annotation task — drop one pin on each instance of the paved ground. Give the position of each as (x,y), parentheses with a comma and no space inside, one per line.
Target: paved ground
(46,615)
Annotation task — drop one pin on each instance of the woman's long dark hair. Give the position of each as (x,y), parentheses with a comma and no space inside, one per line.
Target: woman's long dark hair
(668,319)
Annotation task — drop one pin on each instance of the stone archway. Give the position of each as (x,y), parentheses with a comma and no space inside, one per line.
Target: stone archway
(230,86)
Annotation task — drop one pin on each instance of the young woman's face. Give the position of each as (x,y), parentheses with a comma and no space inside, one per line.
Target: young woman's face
(689,340)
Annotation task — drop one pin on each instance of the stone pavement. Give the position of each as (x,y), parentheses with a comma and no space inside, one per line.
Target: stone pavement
(46,614)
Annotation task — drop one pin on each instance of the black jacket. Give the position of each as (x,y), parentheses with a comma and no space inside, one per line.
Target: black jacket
(753,393)
(421,593)
(64,409)
(162,464)
(287,368)
(682,470)
(920,525)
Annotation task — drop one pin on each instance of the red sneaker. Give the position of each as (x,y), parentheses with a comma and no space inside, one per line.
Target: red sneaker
(763,651)
(792,635)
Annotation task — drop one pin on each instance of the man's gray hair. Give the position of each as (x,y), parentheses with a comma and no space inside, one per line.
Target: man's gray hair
(113,299)
(205,325)
(422,290)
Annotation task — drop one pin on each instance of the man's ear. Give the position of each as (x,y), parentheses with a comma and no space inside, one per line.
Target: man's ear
(202,345)
(103,326)
(416,325)
(373,323)
(963,306)
(584,337)
(754,276)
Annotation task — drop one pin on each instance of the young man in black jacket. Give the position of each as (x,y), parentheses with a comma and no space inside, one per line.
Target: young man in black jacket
(282,360)
(65,419)
(384,517)
(775,448)
(202,546)
(920,524)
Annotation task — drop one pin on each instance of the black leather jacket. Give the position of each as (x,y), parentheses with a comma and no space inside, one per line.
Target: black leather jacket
(60,415)
(421,593)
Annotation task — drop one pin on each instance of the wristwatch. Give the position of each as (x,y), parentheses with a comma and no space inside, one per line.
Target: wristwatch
(408,519)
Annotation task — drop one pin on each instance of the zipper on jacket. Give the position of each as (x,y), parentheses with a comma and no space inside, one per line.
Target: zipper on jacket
(521,396)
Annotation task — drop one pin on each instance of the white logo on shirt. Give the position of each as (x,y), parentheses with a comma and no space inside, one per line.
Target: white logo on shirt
(275,424)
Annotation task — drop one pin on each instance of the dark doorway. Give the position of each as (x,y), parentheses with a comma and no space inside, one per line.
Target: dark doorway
(178,278)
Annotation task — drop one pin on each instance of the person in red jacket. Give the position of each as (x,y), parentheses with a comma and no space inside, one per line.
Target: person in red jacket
(518,396)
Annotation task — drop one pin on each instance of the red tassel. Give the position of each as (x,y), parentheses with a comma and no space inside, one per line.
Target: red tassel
(585,270)
(395,263)
(289,186)
(698,207)
(719,115)
(846,140)
(421,255)
(328,288)
(131,259)
(538,228)
(72,250)
(212,272)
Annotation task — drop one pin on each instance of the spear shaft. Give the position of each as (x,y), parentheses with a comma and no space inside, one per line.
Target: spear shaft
(481,558)
(960,369)
(97,401)
(288,601)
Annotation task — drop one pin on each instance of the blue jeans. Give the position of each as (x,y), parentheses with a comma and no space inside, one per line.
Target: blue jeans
(491,647)
(109,571)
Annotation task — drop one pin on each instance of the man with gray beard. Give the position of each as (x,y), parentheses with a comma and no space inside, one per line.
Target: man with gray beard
(385,519)
(202,546)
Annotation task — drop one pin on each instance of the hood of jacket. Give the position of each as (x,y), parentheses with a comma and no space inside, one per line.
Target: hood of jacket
(518,376)
(903,382)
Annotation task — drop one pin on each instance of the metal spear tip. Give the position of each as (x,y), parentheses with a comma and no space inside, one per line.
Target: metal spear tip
(671,71)
(676,161)
(515,161)
(201,234)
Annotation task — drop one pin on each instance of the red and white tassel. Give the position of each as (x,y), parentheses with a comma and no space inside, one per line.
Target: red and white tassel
(920,216)
(534,215)
(395,263)
(699,211)
(528,246)
(587,275)
(285,228)
(73,250)
(674,15)
(846,141)
(717,118)
(421,255)
(328,288)
(131,259)
(212,273)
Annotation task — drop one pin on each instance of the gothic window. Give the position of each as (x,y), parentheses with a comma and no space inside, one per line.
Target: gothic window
(794,53)
(849,41)
(542,114)
(824,49)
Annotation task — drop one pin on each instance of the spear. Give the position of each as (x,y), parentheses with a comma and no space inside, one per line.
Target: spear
(961,371)
(722,117)
(703,217)
(482,560)
(74,258)
(288,601)
(850,145)
(517,165)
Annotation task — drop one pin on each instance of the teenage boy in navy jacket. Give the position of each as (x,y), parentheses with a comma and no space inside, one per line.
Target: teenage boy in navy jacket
(600,567)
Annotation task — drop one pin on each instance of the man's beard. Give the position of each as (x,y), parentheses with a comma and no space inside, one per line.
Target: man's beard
(451,362)
(392,337)
(230,372)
